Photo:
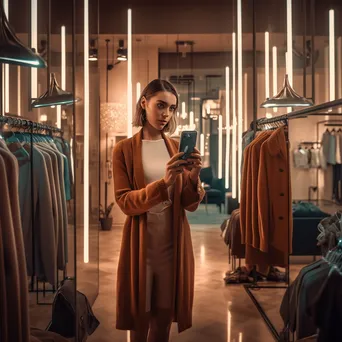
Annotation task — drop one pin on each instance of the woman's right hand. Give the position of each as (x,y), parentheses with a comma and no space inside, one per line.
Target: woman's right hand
(174,168)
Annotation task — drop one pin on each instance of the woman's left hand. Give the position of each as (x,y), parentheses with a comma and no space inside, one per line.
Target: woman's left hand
(194,165)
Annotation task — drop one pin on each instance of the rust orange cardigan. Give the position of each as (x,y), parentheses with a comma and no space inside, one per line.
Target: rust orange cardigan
(135,198)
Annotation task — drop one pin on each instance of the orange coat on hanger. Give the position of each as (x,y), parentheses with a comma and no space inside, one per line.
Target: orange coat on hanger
(135,199)
(274,198)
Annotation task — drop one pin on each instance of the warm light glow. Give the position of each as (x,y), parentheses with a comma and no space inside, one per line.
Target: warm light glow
(202,254)
(19,90)
(289,109)
(289,40)
(229,327)
(34,45)
(267,65)
(202,144)
(269,115)
(208,108)
(220,147)
(240,91)
(245,102)
(138,90)
(192,120)
(240,337)
(227,174)
(86,133)
(339,69)
(234,161)
(43,118)
(332,83)
(63,74)
(6,70)
(129,75)
(275,73)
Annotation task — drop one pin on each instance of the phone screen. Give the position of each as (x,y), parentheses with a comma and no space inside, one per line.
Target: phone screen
(187,143)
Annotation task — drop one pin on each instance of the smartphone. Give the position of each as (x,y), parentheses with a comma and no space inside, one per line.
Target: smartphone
(187,143)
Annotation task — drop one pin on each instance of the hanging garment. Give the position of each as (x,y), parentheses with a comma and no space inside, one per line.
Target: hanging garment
(12,278)
(337,180)
(332,149)
(274,198)
(315,160)
(301,158)
(325,149)
(338,157)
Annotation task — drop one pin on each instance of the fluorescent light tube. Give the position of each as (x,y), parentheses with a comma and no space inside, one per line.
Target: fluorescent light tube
(234,155)
(86,133)
(289,41)
(34,45)
(332,83)
(202,144)
(220,147)
(275,73)
(227,166)
(138,91)
(18,90)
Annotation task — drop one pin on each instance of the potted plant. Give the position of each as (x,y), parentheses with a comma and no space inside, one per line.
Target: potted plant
(105,219)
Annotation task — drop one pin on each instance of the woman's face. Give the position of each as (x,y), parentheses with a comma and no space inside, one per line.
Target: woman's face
(160,109)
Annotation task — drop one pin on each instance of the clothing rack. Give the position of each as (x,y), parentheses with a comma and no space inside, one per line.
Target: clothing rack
(323,109)
(22,125)
(29,126)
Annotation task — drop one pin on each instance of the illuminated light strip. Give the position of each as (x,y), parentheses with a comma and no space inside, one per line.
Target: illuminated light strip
(229,327)
(240,91)
(339,69)
(289,109)
(202,144)
(289,41)
(220,147)
(227,174)
(18,91)
(6,71)
(267,65)
(129,75)
(183,109)
(332,81)
(34,45)
(138,90)
(275,73)
(63,74)
(234,161)
(191,120)
(86,132)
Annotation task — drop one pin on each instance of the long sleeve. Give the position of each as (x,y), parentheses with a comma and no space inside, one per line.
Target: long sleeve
(192,194)
(134,202)
(264,202)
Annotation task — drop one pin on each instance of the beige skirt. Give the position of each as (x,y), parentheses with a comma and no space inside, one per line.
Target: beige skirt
(159,263)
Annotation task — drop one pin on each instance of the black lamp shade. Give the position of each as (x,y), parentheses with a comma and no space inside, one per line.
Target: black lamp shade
(12,50)
(54,96)
(287,97)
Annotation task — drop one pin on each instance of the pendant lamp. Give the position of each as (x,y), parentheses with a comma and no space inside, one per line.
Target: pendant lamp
(54,96)
(287,97)
(12,50)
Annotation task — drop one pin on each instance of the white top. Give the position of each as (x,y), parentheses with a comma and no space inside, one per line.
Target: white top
(155,156)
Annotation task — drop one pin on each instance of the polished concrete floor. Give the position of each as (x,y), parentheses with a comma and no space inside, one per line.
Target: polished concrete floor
(221,312)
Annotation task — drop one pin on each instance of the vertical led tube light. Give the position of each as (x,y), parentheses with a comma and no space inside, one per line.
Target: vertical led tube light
(202,144)
(191,120)
(138,90)
(63,74)
(240,91)
(267,65)
(234,161)
(275,73)
(129,75)
(86,132)
(18,90)
(183,109)
(289,40)
(220,147)
(34,45)
(6,70)
(245,107)
(227,175)
(339,69)
(332,83)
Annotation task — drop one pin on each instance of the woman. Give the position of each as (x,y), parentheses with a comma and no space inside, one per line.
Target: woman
(155,283)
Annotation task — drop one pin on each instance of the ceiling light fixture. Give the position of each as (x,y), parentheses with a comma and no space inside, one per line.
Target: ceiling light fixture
(121,51)
(92,51)
(287,97)
(54,96)
(12,50)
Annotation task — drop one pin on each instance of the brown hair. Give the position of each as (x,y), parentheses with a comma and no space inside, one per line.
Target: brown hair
(151,90)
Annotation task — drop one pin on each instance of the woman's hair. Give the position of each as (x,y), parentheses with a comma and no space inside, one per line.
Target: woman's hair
(151,90)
